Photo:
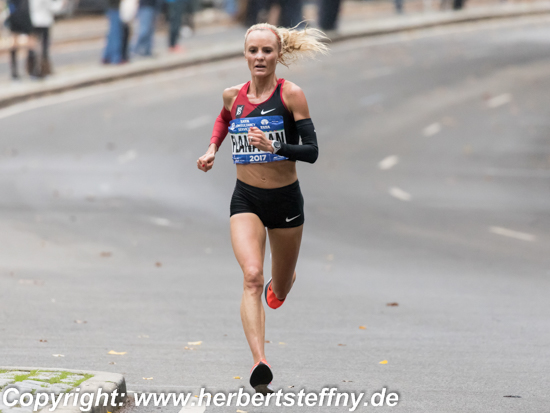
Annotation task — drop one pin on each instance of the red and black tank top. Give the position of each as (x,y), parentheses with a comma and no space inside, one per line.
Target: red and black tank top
(271,116)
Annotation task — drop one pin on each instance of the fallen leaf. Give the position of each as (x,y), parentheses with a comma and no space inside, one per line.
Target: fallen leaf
(194,343)
(43,341)
(80,321)
(237,377)
(188,348)
(342,345)
(384,362)
(280,342)
(158,264)
(106,254)
(58,355)
(267,342)
(112,362)
(347,381)
(290,387)
(392,304)
(241,411)
(116,353)
(362,328)
(515,397)
(147,378)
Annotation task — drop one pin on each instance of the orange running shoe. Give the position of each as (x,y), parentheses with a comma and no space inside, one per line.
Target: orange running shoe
(270,298)
(261,376)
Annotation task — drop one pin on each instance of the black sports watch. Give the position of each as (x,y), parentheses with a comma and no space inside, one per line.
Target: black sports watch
(276,146)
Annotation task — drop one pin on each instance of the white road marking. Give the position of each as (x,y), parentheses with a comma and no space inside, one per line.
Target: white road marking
(432,129)
(523,236)
(388,162)
(499,100)
(161,222)
(371,99)
(193,409)
(127,157)
(198,122)
(399,194)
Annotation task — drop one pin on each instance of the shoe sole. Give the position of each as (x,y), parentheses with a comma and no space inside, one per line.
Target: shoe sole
(263,389)
(260,378)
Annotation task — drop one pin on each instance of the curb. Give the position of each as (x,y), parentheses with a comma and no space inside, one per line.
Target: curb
(107,382)
(232,50)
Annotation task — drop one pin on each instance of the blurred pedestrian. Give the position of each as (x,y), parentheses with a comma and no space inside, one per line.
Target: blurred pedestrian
(42,14)
(399,6)
(458,4)
(328,14)
(175,13)
(113,48)
(147,15)
(291,13)
(19,23)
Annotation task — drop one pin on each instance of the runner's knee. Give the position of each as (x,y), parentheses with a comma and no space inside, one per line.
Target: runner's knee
(253,279)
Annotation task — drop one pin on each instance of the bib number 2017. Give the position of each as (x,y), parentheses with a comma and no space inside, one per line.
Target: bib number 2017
(257,158)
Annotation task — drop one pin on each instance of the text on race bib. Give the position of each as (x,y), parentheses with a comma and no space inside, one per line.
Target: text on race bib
(243,153)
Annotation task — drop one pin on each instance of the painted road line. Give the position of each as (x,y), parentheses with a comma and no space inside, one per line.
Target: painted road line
(499,100)
(432,129)
(388,162)
(399,194)
(523,236)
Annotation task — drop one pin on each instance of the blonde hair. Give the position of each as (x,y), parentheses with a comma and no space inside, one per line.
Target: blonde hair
(294,43)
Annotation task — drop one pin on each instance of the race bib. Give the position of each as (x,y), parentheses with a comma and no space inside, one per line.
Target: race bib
(243,152)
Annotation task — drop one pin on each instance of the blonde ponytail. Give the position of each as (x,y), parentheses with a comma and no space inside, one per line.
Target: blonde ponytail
(294,43)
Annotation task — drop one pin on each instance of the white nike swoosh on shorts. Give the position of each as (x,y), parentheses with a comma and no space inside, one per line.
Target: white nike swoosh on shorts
(291,219)
(267,111)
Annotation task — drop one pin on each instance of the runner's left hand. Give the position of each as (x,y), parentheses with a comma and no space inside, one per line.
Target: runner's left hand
(258,139)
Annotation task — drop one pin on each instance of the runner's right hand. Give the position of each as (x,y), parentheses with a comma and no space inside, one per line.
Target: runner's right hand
(206,162)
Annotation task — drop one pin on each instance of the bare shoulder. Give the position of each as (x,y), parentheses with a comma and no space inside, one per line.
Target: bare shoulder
(295,100)
(230,94)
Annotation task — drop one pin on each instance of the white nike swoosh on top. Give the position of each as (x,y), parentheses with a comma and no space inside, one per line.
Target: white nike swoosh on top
(290,219)
(267,111)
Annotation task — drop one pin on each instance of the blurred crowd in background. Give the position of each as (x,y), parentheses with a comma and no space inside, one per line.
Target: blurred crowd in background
(33,19)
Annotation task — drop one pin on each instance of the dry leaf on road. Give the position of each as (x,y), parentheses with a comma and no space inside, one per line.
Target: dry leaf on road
(362,328)
(392,304)
(384,362)
(194,343)
(116,353)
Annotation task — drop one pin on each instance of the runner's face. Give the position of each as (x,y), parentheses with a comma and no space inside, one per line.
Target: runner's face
(261,52)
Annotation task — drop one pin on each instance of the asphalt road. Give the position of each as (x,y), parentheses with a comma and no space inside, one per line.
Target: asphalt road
(431,191)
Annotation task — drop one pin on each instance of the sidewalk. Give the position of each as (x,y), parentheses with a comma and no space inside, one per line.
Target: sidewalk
(57,381)
(209,45)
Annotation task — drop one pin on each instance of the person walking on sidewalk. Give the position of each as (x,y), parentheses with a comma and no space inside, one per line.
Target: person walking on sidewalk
(42,16)
(115,35)
(175,13)
(147,15)
(266,118)
(19,23)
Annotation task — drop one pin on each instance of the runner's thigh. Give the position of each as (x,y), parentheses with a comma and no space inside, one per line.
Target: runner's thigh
(248,238)
(285,246)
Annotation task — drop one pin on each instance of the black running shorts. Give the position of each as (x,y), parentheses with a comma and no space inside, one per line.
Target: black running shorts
(277,208)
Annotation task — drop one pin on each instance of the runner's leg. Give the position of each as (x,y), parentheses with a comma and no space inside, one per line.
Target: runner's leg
(248,238)
(285,247)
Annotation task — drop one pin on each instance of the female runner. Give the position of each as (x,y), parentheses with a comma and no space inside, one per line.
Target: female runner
(266,117)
